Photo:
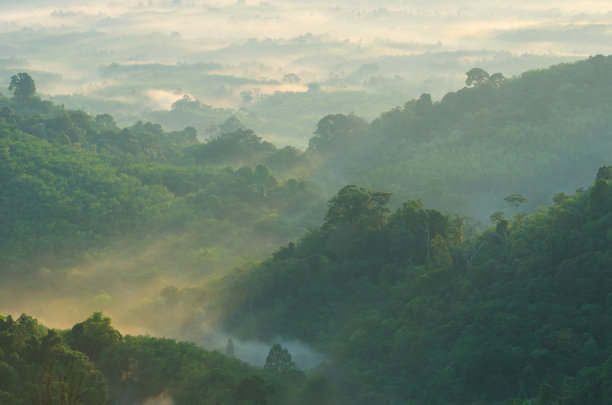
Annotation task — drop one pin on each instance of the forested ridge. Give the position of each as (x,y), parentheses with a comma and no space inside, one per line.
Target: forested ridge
(405,303)
(414,306)
(73,183)
(92,363)
(539,133)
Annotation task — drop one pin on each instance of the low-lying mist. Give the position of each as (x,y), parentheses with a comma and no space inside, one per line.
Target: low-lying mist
(255,47)
(145,288)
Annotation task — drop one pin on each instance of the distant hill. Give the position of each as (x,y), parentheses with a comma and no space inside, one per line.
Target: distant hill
(536,134)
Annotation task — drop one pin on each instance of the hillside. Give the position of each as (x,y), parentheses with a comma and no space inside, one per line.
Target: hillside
(538,133)
(416,307)
(94,216)
(92,363)
(397,295)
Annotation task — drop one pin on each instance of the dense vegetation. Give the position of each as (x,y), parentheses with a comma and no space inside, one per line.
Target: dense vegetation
(73,183)
(415,307)
(92,363)
(542,132)
(407,304)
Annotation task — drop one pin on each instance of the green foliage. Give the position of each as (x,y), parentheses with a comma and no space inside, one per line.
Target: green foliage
(57,200)
(22,87)
(357,207)
(37,367)
(40,365)
(409,306)
(74,184)
(539,132)
(279,360)
(254,390)
(239,147)
(529,322)
(476,77)
(515,200)
(93,336)
(335,131)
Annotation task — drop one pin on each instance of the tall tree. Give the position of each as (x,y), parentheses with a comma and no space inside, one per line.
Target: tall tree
(334,131)
(22,87)
(279,360)
(496,79)
(515,200)
(358,207)
(476,77)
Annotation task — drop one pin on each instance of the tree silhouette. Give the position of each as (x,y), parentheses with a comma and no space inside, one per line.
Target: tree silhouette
(476,77)
(22,87)
(515,200)
(279,360)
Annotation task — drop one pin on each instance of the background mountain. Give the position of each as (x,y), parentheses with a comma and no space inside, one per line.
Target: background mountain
(390,298)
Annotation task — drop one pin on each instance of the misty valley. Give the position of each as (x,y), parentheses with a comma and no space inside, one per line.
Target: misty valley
(297,219)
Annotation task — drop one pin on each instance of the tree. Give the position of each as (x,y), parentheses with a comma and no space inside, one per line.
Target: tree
(318,390)
(476,77)
(357,207)
(279,360)
(93,336)
(229,349)
(291,78)
(232,125)
(424,104)
(502,229)
(515,200)
(413,229)
(186,104)
(105,123)
(254,389)
(470,244)
(247,96)
(313,87)
(604,172)
(22,87)
(66,377)
(335,131)
(496,79)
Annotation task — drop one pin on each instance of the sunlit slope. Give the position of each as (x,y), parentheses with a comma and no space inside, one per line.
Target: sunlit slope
(92,363)
(97,217)
(541,132)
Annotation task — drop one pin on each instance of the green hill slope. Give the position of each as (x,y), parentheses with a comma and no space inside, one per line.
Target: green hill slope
(92,363)
(539,133)
(416,307)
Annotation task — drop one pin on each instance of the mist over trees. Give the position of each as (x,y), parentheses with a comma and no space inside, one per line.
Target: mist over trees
(359,246)
(523,321)
(475,146)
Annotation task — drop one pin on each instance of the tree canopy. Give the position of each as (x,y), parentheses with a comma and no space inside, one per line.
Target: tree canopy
(22,87)
(335,131)
(357,207)
(476,77)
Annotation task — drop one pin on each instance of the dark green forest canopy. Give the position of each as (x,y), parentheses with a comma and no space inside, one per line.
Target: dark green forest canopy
(92,363)
(409,305)
(423,309)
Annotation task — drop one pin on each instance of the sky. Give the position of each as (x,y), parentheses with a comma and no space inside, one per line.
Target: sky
(522,26)
(397,49)
(407,46)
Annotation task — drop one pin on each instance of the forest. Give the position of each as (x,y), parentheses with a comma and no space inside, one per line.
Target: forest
(451,251)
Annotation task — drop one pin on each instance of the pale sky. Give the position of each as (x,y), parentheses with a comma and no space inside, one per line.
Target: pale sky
(318,40)
(521,26)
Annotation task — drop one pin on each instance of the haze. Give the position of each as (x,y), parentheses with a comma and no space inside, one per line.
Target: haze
(403,47)
(397,192)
